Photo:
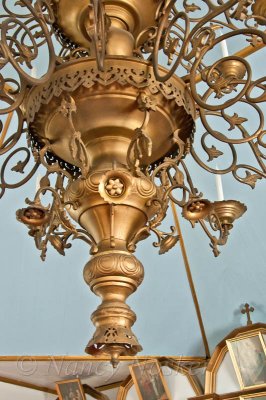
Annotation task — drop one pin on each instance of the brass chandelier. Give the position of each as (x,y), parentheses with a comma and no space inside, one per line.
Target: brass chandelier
(113,128)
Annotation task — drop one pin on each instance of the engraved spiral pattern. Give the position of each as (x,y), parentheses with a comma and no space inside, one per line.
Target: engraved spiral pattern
(145,187)
(114,264)
(93,180)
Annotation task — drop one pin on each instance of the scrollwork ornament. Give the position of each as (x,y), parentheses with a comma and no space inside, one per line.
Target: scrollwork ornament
(8,141)
(97,31)
(19,167)
(22,47)
(173,37)
(228,79)
(50,224)
(76,145)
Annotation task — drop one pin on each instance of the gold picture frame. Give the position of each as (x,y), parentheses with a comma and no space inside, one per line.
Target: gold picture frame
(68,388)
(254,396)
(149,381)
(248,355)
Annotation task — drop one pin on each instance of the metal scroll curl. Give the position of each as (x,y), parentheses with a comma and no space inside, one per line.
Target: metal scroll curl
(226,84)
(180,34)
(18,167)
(185,28)
(171,37)
(24,30)
(50,224)
(231,77)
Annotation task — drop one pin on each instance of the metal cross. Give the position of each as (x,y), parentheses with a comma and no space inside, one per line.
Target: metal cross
(247,310)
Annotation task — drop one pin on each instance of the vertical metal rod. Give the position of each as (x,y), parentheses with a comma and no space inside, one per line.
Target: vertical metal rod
(5,128)
(190,281)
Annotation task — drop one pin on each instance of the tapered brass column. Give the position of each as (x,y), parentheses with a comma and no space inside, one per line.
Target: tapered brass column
(113,207)
(113,275)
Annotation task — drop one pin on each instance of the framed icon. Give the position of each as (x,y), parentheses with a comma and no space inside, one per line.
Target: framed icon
(254,396)
(149,381)
(248,354)
(70,390)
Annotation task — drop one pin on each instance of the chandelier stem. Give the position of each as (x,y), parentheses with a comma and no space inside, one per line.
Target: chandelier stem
(190,281)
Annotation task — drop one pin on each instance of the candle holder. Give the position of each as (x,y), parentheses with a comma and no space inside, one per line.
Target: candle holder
(228,211)
(231,68)
(197,209)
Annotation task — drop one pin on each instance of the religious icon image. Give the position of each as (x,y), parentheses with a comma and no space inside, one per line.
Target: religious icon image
(149,381)
(248,355)
(70,390)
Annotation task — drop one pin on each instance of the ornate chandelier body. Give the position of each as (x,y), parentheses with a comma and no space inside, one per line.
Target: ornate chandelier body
(114,128)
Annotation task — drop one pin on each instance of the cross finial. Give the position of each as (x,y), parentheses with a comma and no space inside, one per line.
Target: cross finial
(247,310)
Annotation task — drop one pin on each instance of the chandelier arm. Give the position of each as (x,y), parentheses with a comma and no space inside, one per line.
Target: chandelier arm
(194,34)
(243,53)
(13,97)
(249,30)
(216,87)
(251,178)
(25,51)
(246,137)
(216,11)
(184,200)
(160,33)
(214,241)
(209,215)
(235,122)
(19,167)
(54,217)
(257,84)
(21,53)
(163,33)
(213,170)
(261,143)
(254,148)
(194,191)
(168,163)
(177,182)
